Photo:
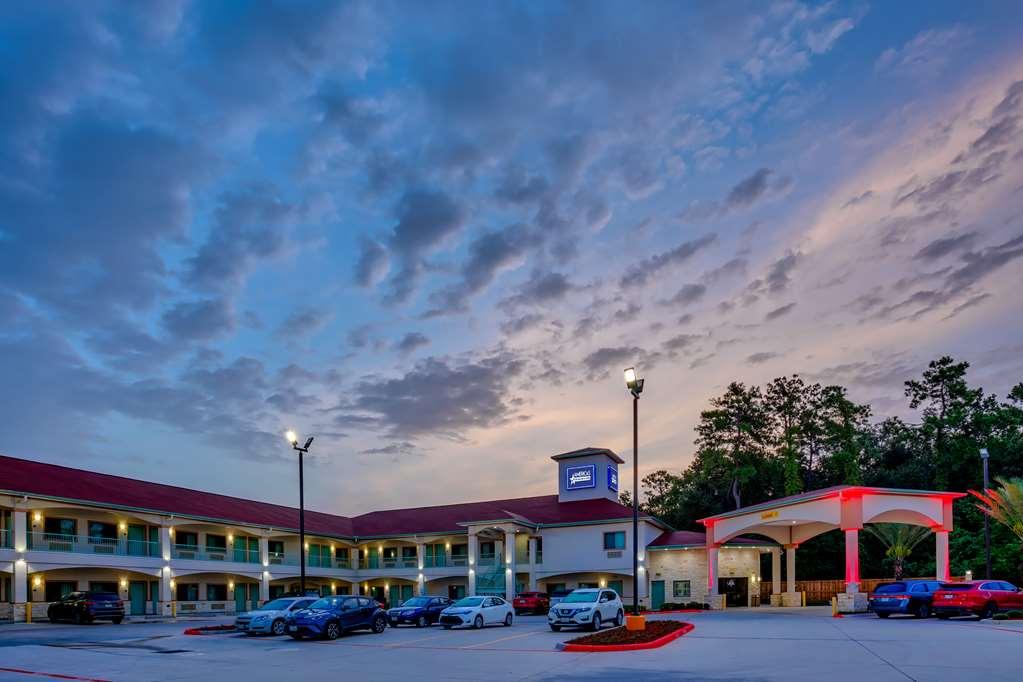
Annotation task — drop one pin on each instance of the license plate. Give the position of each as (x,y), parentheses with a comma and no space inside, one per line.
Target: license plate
(292,628)
(949,596)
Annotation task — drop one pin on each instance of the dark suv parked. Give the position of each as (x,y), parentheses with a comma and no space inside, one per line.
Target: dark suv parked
(330,617)
(915,597)
(418,611)
(85,607)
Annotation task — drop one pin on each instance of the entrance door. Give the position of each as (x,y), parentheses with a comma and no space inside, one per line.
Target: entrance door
(736,591)
(394,596)
(241,591)
(137,596)
(456,592)
(406,593)
(137,545)
(656,594)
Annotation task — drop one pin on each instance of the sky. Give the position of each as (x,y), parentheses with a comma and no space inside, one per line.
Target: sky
(433,234)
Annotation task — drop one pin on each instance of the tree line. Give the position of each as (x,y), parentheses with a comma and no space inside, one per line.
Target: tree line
(757,443)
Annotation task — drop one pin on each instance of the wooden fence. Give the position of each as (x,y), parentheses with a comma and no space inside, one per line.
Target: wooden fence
(821,591)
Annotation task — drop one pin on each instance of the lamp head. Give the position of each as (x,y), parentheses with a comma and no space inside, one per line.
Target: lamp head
(984,453)
(292,437)
(633,382)
(308,443)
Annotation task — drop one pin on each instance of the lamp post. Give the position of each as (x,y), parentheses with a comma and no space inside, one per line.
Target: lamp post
(987,522)
(635,386)
(293,439)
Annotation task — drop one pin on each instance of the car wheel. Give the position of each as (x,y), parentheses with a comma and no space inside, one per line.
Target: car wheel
(478,622)
(277,627)
(595,624)
(446,626)
(421,622)
(987,612)
(619,618)
(118,620)
(78,618)
(508,620)
(923,611)
(379,625)
(332,632)
(555,628)
(943,616)
(883,614)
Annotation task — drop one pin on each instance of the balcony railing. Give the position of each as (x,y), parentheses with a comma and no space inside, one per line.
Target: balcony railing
(82,544)
(487,559)
(435,561)
(281,559)
(459,560)
(394,562)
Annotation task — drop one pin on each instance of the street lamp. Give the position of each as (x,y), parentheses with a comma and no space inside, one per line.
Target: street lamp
(635,386)
(293,439)
(987,523)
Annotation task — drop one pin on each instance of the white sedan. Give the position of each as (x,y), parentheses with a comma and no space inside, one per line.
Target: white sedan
(477,612)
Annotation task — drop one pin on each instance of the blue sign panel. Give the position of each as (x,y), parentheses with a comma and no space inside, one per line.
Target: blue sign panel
(580,477)
(612,478)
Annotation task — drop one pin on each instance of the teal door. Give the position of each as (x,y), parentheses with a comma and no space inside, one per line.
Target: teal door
(394,596)
(137,545)
(137,596)
(406,593)
(656,594)
(241,591)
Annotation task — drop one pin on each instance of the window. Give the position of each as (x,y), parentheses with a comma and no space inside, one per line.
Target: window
(555,587)
(216,543)
(539,550)
(408,554)
(614,540)
(187,592)
(100,530)
(55,589)
(60,527)
(681,588)
(616,585)
(588,586)
(216,593)
(186,539)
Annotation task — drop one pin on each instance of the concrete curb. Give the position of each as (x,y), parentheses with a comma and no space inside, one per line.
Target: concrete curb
(655,644)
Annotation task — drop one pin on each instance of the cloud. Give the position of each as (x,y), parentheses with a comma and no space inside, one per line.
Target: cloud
(761,185)
(302,322)
(762,357)
(411,342)
(372,263)
(642,272)
(540,289)
(687,295)
(926,54)
(199,320)
(425,219)
(939,248)
(780,312)
(599,363)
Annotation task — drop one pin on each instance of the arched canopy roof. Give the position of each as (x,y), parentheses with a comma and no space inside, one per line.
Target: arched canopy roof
(795,519)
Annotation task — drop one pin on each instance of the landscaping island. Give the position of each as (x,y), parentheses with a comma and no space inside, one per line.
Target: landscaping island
(657,634)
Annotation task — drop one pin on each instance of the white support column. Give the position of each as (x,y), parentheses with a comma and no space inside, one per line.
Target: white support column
(165,543)
(19,577)
(264,570)
(166,591)
(532,564)
(509,565)
(791,597)
(941,554)
(421,562)
(470,589)
(775,574)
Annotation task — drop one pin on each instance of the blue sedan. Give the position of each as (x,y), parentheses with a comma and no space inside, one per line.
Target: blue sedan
(912,597)
(330,617)
(418,611)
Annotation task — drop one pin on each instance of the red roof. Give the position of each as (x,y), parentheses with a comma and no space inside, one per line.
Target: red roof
(21,476)
(689,538)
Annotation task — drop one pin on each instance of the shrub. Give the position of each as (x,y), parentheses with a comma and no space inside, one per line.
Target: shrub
(1000,616)
(1015,614)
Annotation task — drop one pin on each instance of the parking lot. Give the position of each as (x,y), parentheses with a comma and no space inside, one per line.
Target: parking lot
(740,644)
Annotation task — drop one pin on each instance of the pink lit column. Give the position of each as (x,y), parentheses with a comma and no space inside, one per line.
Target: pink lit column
(712,569)
(852,561)
(941,554)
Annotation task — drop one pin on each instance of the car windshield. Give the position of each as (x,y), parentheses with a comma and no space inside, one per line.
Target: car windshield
(576,597)
(327,603)
(469,601)
(417,601)
(956,587)
(275,605)
(890,588)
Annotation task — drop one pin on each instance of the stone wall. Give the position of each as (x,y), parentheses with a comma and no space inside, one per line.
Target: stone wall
(691,564)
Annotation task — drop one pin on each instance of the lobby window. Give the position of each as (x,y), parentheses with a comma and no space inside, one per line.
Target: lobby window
(487,552)
(216,593)
(614,540)
(186,592)
(681,589)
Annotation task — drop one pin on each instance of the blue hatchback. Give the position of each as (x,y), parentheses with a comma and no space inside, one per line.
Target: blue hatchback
(330,617)
(418,611)
(915,597)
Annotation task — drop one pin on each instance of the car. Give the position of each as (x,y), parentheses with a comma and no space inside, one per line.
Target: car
(532,602)
(477,612)
(980,598)
(913,597)
(588,607)
(269,619)
(331,617)
(419,611)
(86,607)
(557,596)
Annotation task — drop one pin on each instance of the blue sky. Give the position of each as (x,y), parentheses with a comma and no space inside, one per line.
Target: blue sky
(433,234)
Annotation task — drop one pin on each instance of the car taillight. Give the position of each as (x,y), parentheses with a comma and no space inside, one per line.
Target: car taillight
(90,603)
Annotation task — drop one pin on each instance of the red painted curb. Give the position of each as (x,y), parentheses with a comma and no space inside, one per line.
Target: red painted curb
(655,613)
(210,630)
(655,644)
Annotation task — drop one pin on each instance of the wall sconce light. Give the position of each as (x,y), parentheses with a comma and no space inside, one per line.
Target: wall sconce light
(603,583)
(508,571)
(307,546)
(230,537)
(124,583)
(37,581)
(122,526)
(37,517)
(230,585)
(173,583)
(447,545)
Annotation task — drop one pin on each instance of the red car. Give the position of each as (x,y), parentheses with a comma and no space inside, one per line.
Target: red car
(980,598)
(532,602)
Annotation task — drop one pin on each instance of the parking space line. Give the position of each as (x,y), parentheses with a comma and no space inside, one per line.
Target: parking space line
(55,676)
(410,642)
(495,641)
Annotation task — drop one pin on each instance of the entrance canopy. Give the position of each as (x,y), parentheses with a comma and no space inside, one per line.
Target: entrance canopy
(793,520)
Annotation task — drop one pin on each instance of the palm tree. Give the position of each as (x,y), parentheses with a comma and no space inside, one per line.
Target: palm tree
(1004,504)
(899,540)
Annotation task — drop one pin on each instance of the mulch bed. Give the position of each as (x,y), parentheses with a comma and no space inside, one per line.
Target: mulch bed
(657,633)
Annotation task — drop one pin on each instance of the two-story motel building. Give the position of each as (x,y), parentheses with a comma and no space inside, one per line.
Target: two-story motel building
(168,550)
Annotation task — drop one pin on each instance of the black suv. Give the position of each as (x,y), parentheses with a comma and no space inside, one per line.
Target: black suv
(85,607)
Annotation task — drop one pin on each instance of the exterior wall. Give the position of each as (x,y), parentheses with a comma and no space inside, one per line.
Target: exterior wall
(572,581)
(691,564)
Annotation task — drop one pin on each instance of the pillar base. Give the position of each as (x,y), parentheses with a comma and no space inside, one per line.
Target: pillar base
(791,599)
(776,598)
(716,601)
(18,612)
(852,602)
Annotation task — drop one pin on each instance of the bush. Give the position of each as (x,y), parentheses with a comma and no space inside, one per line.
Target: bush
(1015,614)
(1000,616)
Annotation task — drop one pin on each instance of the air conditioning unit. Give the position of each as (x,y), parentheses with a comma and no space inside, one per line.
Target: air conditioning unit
(614,554)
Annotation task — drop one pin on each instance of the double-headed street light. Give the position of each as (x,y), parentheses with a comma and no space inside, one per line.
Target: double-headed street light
(987,522)
(635,386)
(293,439)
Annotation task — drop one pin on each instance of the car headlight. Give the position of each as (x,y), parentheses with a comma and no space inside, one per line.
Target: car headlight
(584,609)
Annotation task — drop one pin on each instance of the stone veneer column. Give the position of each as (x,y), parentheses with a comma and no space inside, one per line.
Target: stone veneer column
(712,576)
(775,576)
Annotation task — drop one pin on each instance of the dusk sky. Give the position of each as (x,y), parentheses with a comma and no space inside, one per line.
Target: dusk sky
(433,234)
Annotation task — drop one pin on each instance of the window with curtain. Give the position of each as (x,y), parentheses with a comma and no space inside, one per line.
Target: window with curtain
(614,540)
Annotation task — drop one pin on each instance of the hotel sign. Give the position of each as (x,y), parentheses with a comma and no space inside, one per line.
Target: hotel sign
(612,478)
(581,477)
(769,515)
